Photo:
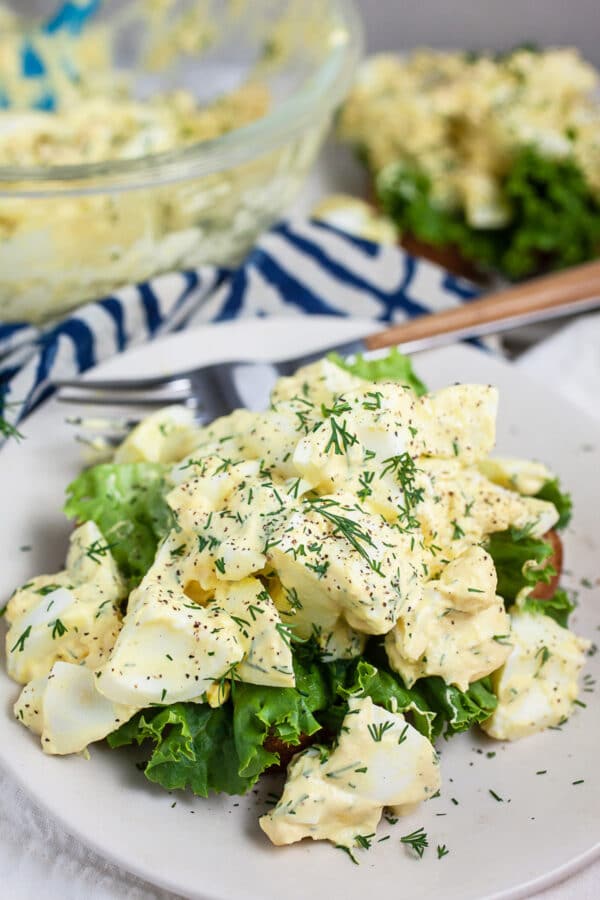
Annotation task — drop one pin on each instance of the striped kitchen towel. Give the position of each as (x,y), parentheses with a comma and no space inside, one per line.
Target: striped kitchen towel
(300,267)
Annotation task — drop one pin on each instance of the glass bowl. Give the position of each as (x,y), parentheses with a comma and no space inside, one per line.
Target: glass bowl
(76,232)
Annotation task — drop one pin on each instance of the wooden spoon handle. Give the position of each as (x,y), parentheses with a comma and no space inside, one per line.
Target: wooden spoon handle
(572,290)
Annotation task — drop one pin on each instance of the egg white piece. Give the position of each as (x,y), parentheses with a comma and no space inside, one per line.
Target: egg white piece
(72,615)
(525,476)
(169,649)
(537,686)
(319,383)
(265,640)
(67,711)
(380,760)
(365,580)
(452,629)
(162,437)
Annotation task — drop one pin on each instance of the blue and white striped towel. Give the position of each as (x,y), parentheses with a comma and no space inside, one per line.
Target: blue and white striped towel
(299,267)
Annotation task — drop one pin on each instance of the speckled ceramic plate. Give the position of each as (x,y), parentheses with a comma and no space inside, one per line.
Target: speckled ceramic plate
(546,825)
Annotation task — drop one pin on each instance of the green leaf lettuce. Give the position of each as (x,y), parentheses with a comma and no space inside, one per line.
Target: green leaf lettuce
(558,607)
(394,366)
(554,215)
(553,492)
(194,747)
(520,561)
(458,710)
(127,503)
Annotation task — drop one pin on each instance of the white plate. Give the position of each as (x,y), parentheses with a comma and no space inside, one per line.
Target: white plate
(546,826)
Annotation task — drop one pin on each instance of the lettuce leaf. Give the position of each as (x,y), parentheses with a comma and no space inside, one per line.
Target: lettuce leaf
(553,492)
(519,559)
(222,750)
(458,710)
(559,607)
(127,503)
(431,705)
(287,713)
(359,678)
(194,747)
(394,366)
(555,217)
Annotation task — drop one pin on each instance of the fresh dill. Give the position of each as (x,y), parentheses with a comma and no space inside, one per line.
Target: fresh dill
(340,406)
(374,402)
(58,628)
(457,531)
(402,737)
(348,852)
(48,589)
(340,438)
(417,840)
(98,551)
(378,730)
(404,469)
(20,644)
(365,480)
(364,840)
(347,528)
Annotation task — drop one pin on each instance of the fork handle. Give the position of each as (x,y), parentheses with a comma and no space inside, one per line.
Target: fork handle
(575,290)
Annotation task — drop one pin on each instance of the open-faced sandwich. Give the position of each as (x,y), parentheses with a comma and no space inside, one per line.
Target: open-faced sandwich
(340,579)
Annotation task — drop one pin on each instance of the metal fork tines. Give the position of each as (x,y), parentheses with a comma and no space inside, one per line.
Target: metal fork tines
(141,392)
(210,391)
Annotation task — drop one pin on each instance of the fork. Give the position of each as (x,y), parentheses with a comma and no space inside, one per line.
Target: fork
(215,390)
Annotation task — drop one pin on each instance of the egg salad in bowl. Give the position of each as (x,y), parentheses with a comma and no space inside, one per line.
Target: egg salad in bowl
(139,137)
(330,584)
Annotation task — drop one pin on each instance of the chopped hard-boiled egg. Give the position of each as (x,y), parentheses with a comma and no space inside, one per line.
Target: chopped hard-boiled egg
(351,517)
(381,425)
(72,616)
(343,562)
(524,476)
(455,628)
(265,639)
(314,384)
(171,647)
(178,638)
(462,118)
(357,217)
(537,686)
(164,436)
(380,760)
(67,711)
(461,507)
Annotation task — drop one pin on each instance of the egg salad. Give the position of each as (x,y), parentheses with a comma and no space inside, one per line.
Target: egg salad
(343,578)
(497,155)
(66,100)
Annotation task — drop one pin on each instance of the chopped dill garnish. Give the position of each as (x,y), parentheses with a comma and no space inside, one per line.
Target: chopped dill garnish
(377,731)
(58,629)
(417,840)
(20,644)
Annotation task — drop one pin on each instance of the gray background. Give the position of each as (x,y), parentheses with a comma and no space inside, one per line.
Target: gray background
(480,24)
